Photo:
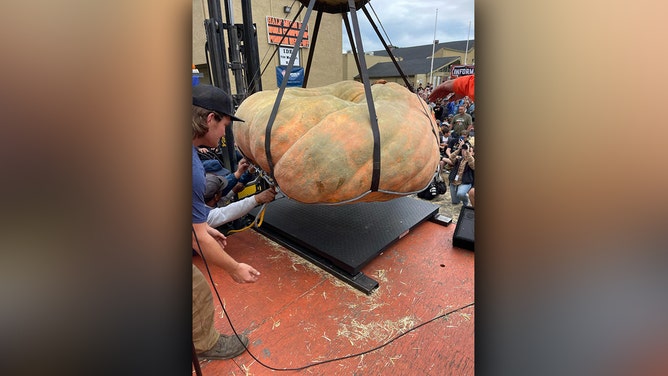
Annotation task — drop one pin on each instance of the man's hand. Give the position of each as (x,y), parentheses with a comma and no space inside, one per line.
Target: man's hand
(238,188)
(217,235)
(244,273)
(442,91)
(265,196)
(467,154)
(242,167)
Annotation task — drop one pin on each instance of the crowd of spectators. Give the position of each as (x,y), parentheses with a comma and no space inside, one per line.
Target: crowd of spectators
(455,116)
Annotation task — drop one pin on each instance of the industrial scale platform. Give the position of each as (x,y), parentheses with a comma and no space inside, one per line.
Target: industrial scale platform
(342,239)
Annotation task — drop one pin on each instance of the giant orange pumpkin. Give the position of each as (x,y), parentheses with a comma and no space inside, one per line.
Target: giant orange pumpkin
(322,141)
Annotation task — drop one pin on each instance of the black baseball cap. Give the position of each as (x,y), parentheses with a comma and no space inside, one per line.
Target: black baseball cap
(215,99)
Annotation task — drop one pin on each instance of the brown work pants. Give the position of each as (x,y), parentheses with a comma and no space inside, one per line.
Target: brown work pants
(204,333)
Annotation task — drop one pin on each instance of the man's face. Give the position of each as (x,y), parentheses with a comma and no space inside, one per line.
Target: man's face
(461,109)
(217,124)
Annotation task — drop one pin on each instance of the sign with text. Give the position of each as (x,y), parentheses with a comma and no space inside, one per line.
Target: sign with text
(462,70)
(284,54)
(281,33)
(296,78)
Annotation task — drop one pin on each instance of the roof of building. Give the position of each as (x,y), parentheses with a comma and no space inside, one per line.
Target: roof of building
(409,67)
(425,51)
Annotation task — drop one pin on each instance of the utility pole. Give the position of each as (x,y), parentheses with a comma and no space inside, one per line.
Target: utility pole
(433,49)
(468,37)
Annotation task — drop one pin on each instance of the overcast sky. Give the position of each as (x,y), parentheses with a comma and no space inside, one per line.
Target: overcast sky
(411,23)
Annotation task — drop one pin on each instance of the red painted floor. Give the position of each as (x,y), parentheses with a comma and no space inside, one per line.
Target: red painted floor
(298,314)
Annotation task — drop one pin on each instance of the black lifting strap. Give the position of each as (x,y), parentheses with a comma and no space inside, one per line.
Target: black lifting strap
(281,90)
(375,177)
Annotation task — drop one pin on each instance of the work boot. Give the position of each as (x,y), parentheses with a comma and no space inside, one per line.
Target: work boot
(227,347)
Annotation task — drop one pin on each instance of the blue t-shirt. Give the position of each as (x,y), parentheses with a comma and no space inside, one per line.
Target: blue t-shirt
(450,108)
(200,210)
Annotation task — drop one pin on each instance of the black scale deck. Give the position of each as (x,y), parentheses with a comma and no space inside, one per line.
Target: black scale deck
(342,238)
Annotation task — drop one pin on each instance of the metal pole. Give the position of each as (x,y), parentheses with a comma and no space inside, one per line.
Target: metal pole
(346,22)
(215,44)
(387,48)
(235,56)
(198,369)
(251,53)
(468,36)
(433,49)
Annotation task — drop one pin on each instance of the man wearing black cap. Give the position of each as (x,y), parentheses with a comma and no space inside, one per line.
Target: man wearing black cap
(212,111)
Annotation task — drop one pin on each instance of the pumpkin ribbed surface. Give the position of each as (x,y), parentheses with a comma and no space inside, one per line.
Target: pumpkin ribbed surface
(322,142)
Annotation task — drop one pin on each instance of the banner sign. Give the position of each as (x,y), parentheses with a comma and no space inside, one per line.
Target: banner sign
(296,78)
(277,28)
(284,54)
(462,70)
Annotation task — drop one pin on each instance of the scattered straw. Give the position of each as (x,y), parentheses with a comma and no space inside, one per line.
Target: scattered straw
(246,368)
(381,275)
(296,259)
(378,331)
(392,359)
(222,311)
(373,306)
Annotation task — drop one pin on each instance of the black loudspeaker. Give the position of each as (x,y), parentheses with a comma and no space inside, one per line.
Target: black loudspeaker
(464,236)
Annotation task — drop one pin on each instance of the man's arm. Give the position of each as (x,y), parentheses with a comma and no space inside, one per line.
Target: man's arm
(237,209)
(228,213)
(212,249)
(451,145)
(468,158)
(448,151)
(469,123)
(462,87)
(242,167)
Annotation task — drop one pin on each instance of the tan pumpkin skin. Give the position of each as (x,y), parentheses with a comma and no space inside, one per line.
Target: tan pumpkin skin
(322,142)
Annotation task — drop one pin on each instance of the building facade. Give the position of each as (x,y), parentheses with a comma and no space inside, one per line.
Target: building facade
(324,67)
(327,67)
(416,63)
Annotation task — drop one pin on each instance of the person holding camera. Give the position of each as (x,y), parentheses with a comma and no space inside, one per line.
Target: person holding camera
(453,144)
(462,173)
